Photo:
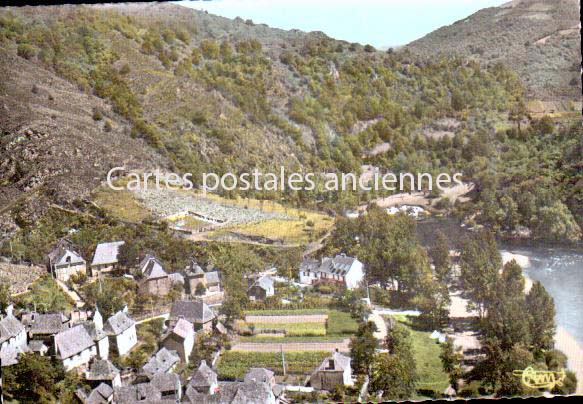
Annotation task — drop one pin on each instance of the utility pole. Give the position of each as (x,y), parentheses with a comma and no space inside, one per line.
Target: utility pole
(282,359)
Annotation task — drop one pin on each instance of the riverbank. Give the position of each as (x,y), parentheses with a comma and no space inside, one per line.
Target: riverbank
(564,341)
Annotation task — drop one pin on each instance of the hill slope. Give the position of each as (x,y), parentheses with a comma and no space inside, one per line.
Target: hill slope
(539,39)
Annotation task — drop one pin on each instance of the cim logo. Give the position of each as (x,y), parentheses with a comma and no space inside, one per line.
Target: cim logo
(540,379)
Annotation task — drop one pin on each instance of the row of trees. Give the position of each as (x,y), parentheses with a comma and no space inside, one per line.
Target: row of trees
(517,328)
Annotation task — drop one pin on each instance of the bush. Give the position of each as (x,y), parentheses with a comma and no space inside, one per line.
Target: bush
(97,114)
(26,51)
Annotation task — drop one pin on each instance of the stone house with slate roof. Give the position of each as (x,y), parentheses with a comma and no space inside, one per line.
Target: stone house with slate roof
(102,394)
(180,338)
(64,262)
(121,330)
(261,288)
(43,327)
(163,361)
(105,257)
(196,312)
(260,375)
(12,332)
(194,275)
(136,393)
(169,386)
(75,347)
(103,371)
(342,270)
(204,380)
(333,371)
(155,280)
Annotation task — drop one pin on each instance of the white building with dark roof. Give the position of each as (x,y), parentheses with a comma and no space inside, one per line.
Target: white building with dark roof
(105,257)
(343,270)
(64,262)
(12,331)
(75,347)
(121,330)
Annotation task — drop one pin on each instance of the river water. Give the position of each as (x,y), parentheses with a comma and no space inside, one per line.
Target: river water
(561,273)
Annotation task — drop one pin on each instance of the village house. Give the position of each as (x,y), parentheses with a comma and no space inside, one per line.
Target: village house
(163,361)
(43,327)
(260,375)
(155,280)
(169,386)
(95,330)
(75,347)
(194,276)
(204,380)
(233,392)
(103,371)
(12,338)
(334,370)
(180,338)
(163,387)
(64,262)
(101,394)
(341,270)
(121,330)
(105,257)
(261,288)
(196,312)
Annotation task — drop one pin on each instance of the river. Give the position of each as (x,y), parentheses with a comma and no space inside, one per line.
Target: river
(560,271)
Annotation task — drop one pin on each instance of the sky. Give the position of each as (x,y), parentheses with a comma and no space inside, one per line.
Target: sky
(381,23)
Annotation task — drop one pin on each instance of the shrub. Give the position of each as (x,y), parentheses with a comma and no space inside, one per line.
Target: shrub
(26,51)
(97,114)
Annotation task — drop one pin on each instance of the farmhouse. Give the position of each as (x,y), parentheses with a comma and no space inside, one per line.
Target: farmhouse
(180,339)
(42,327)
(342,270)
(105,257)
(103,371)
(64,262)
(333,371)
(261,288)
(155,279)
(121,330)
(195,275)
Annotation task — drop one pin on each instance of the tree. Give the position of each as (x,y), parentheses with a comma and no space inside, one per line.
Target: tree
(556,223)
(479,262)
(395,373)
(5,296)
(362,348)
(541,310)
(450,360)
(439,254)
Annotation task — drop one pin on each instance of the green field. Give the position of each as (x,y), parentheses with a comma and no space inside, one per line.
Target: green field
(233,365)
(339,325)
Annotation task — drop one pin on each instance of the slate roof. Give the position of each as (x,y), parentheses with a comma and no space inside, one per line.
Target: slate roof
(340,362)
(10,327)
(144,392)
(106,253)
(193,268)
(101,369)
(152,268)
(118,323)
(94,333)
(49,323)
(197,312)
(176,277)
(339,265)
(183,328)
(259,375)
(9,355)
(60,255)
(73,341)
(252,392)
(203,377)
(162,361)
(37,346)
(100,394)
(164,382)
(231,393)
